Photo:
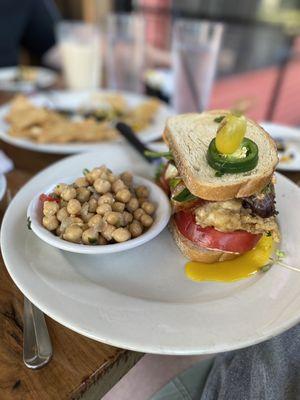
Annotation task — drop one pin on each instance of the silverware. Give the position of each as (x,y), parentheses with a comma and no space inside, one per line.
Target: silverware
(37,347)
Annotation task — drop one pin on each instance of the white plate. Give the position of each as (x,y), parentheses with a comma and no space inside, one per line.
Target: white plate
(2,186)
(75,99)
(141,299)
(291,138)
(44,78)
(162,216)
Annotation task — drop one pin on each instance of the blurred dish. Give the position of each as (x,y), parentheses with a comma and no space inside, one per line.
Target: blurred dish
(2,186)
(140,299)
(44,127)
(287,139)
(24,79)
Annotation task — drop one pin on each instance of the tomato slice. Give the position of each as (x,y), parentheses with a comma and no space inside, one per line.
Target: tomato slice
(45,197)
(237,241)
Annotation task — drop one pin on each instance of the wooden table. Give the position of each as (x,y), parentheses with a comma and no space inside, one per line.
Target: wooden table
(80,368)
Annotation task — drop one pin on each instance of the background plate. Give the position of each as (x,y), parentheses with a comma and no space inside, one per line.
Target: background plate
(74,99)
(141,299)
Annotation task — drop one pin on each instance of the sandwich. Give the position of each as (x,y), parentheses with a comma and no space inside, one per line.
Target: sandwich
(220,178)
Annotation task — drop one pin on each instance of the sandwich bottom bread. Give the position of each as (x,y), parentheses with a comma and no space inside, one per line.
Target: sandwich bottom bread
(219,177)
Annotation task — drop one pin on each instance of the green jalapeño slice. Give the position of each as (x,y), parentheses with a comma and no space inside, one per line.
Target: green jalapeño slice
(242,160)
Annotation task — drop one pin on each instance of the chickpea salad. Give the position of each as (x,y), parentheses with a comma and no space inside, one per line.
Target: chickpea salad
(98,208)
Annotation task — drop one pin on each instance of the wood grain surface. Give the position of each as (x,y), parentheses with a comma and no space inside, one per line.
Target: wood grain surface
(80,368)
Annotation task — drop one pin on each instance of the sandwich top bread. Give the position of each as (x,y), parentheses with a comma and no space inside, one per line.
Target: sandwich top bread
(188,137)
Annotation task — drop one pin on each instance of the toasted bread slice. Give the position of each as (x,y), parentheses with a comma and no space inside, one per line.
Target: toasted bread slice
(197,253)
(189,135)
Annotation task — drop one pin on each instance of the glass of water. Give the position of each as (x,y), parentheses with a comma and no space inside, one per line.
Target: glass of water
(125,53)
(195,47)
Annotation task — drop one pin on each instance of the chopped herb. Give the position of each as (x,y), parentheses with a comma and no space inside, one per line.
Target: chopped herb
(268,234)
(155,154)
(219,119)
(29,223)
(173,182)
(93,240)
(159,170)
(219,174)
(280,255)
(85,171)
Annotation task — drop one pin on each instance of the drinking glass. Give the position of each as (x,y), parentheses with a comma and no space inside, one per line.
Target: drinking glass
(80,49)
(195,47)
(125,52)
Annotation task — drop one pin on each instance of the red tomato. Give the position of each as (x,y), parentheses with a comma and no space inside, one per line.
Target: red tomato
(237,241)
(45,197)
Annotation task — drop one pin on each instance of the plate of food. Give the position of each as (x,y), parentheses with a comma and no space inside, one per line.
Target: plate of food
(78,121)
(213,281)
(287,140)
(26,78)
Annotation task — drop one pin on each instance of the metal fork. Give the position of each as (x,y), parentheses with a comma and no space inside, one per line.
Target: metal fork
(37,346)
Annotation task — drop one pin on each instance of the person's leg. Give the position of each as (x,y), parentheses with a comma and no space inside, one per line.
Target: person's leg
(188,385)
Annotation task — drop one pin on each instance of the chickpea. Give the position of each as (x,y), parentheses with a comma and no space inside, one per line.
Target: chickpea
(138,213)
(133,204)
(50,208)
(59,188)
(68,193)
(123,195)
(114,218)
(135,228)
(127,217)
(146,220)
(62,214)
(142,191)
(73,233)
(118,206)
(81,182)
(111,177)
(142,200)
(127,178)
(93,204)
(103,208)
(107,231)
(73,207)
(90,236)
(50,222)
(95,221)
(84,212)
(102,186)
(121,235)
(106,198)
(118,185)
(148,207)
(83,194)
(96,173)
(102,240)
(68,221)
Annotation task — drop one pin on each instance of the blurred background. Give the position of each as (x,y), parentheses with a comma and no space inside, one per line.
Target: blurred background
(257,58)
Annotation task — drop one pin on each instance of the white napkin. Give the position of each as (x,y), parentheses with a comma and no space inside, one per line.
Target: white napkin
(6,163)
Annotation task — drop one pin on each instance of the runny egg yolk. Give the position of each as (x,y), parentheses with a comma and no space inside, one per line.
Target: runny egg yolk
(228,271)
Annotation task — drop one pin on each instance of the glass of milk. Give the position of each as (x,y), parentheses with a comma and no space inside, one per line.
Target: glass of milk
(80,49)
(125,52)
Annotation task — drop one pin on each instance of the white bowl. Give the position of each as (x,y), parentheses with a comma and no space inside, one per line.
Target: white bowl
(161,218)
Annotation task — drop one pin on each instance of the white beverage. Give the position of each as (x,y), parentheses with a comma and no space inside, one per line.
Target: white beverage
(81,64)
